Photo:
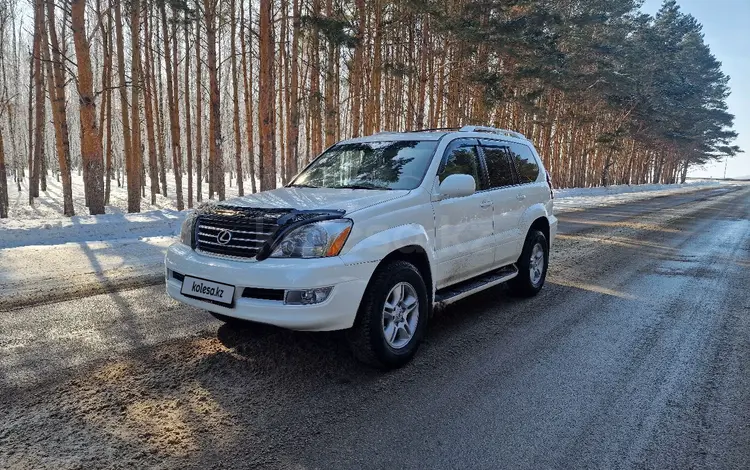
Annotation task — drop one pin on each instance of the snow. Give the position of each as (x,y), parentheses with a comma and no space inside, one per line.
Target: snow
(48,207)
(44,255)
(567,200)
(44,224)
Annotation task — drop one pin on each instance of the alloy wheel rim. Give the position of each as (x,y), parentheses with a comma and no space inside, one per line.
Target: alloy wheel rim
(400,315)
(536,264)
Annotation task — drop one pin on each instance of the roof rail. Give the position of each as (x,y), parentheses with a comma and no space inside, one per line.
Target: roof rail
(436,129)
(493,130)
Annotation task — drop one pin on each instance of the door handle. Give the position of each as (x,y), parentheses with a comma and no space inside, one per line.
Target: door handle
(485,204)
(521,197)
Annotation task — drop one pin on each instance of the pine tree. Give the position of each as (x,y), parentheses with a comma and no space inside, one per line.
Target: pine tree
(267,141)
(91,144)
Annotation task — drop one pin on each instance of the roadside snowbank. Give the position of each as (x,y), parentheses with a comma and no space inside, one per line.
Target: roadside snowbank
(18,233)
(571,199)
(44,224)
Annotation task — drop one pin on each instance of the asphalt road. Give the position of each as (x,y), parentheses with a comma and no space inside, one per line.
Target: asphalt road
(635,355)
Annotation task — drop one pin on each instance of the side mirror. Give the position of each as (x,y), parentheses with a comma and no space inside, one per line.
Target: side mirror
(457,186)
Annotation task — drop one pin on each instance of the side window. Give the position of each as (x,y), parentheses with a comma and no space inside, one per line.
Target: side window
(499,167)
(462,159)
(528,170)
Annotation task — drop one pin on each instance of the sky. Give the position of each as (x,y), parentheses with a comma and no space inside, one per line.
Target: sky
(725,26)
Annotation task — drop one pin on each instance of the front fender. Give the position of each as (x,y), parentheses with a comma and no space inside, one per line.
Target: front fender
(375,247)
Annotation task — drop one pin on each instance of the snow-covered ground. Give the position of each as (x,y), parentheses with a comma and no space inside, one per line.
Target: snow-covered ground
(581,198)
(44,224)
(45,256)
(48,207)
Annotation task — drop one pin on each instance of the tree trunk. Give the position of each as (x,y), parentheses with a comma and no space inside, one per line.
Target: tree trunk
(188,126)
(424,52)
(91,145)
(236,99)
(373,115)
(216,164)
(314,97)
(134,190)
(247,73)
(292,127)
(35,164)
(172,102)
(283,87)
(135,170)
(56,85)
(355,78)
(158,92)
(3,181)
(108,173)
(30,130)
(267,148)
(198,112)
(106,111)
(148,101)
(331,112)
(683,174)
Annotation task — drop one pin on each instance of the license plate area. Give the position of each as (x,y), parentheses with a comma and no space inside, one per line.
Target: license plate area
(214,292)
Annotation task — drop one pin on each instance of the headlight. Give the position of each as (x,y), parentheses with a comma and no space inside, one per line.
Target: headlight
(315,240)
(188,227)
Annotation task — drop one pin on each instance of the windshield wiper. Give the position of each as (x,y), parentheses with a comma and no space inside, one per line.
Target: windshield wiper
(302,186)
(362,186)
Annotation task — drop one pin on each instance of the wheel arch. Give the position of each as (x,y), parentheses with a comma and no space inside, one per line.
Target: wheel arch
(536,217)
(541,224)
(417,256)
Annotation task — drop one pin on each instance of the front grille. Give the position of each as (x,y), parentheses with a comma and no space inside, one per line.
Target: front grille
(236,232)
(242,232)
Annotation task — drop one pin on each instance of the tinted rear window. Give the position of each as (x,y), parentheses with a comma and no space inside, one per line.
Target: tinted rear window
(499,168)
(528,169)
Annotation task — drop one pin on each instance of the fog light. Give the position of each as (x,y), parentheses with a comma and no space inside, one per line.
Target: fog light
(307,296)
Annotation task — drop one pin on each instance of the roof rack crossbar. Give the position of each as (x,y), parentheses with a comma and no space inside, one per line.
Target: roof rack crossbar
(493,130)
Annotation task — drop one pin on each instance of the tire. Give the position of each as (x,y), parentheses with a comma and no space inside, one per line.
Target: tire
(367,337)
(530,281)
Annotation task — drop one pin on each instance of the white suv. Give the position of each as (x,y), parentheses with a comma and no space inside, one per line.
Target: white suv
(373,236)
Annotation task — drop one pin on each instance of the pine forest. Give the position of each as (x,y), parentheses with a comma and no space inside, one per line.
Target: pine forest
(133,93)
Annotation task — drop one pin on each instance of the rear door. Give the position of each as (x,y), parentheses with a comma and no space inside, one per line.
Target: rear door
(508,207)
(532,188)
(464,243)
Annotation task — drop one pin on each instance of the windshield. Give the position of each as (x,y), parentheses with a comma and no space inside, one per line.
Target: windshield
(370,165)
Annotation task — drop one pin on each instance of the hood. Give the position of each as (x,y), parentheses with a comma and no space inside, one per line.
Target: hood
(348,200)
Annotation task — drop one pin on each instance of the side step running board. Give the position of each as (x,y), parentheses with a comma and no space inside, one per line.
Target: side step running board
(454,293)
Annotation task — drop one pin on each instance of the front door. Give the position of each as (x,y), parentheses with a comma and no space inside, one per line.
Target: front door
(463,225)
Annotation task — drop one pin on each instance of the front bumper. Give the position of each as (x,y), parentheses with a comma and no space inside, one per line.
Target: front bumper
(337,312)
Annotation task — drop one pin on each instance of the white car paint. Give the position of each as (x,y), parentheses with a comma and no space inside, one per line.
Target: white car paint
(349,200)
(462,237)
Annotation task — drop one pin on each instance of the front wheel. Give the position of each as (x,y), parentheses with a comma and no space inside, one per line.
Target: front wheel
(532,266)
(392,317)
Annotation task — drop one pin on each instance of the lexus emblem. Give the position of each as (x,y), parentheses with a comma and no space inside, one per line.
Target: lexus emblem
(224,237)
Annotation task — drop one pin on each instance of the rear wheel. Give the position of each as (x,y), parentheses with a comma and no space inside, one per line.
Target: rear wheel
(532,266)
(392,317)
